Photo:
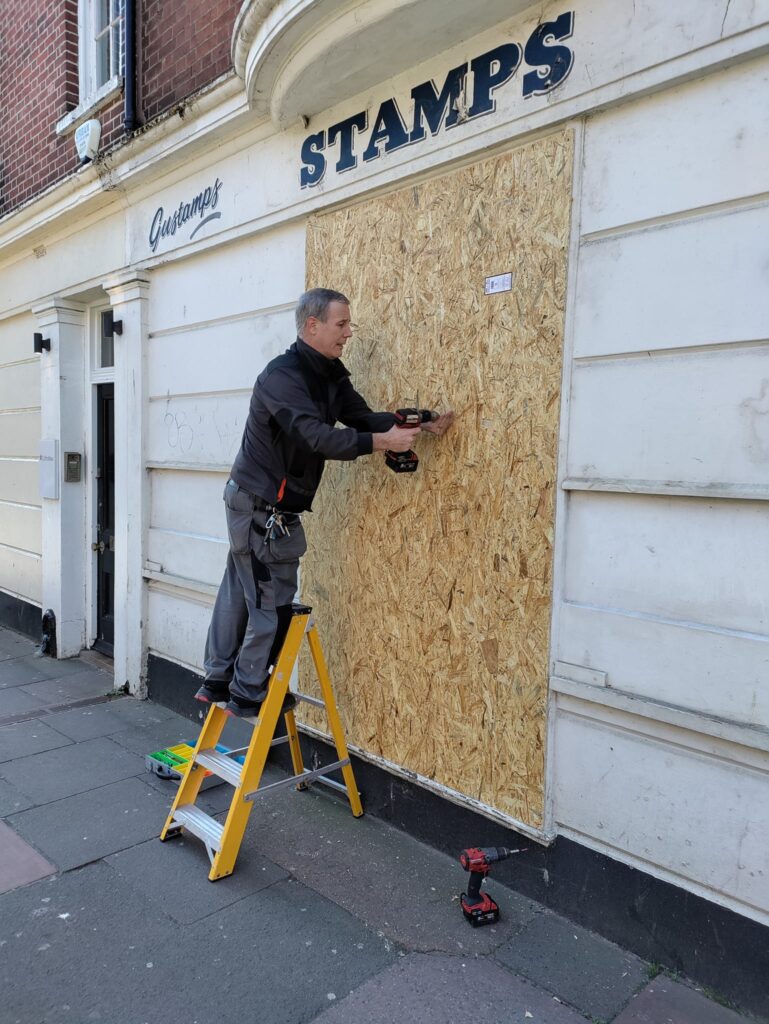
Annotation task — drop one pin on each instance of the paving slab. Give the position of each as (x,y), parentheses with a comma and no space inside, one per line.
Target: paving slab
(441,989)
(14,645)
(668,1002)
(82,947)
(149,738)
(285,954)
(139,713)
(575,964)
(174,876)
(99,951)
(85,723)
(12,800)
(76,768)
(25,738)
(82,828)
(21,671)
(14,701)
(90,682)
(20,864)
(314,836)
(56,668)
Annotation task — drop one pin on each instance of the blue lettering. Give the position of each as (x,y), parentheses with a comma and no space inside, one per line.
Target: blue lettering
(346,132)
(157,220)
(553,63)
(491,70)
(433,107)
(314,162)
(389,127)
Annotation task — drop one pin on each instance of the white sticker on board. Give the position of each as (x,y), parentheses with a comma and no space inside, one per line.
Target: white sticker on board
(498,283)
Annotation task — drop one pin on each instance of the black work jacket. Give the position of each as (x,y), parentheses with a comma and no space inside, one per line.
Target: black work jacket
(290,432)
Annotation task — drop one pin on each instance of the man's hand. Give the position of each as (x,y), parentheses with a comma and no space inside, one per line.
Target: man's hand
(441,425)
(396,439)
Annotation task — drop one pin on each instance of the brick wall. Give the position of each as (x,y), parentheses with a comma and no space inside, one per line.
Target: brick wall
(38,84)
(181,47)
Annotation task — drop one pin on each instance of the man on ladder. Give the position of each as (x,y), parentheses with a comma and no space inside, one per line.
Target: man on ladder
(289,434)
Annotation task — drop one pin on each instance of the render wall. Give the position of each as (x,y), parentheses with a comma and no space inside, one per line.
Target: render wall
(215,320)
(20,531)
(661,639)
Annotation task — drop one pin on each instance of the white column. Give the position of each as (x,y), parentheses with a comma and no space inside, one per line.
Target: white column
(129,297)
(62,392)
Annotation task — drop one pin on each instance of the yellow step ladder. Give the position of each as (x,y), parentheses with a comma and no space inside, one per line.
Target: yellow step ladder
(222,841)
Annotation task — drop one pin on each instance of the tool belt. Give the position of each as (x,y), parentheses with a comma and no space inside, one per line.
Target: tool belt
(278,519)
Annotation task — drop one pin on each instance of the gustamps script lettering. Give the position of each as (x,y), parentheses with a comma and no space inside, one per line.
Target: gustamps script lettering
(164,226)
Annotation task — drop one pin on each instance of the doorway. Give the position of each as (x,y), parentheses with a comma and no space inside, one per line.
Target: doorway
(104,546)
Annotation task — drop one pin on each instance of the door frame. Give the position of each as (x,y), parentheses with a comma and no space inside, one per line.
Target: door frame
(95,376)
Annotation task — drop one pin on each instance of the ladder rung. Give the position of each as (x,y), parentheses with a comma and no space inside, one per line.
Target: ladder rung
(200,824)
(306,776)
(315,701)
(244,750)
(220,764)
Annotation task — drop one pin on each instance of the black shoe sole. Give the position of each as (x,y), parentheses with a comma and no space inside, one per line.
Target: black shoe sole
(234,709)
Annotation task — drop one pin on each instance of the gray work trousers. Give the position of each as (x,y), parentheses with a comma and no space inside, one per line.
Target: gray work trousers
(253,606)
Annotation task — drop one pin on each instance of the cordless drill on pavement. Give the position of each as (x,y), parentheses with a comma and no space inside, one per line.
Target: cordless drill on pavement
(407,462)
(479,908)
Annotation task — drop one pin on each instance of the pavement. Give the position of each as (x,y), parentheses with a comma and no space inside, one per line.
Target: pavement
(327,919)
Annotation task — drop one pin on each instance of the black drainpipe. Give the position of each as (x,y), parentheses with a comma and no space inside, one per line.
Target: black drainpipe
(129,115)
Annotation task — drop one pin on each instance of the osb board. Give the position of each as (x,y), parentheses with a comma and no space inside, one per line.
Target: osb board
(433,590)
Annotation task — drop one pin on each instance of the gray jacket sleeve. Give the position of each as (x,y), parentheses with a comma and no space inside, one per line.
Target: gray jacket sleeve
(287,399)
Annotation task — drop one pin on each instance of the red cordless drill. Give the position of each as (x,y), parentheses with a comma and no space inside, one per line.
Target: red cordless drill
(479,908)
(407,462)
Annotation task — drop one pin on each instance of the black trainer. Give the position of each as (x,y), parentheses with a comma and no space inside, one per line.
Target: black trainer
(241,708)
(213,693)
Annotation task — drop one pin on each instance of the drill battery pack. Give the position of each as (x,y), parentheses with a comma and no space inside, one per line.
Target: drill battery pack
(484,912)
(402,462)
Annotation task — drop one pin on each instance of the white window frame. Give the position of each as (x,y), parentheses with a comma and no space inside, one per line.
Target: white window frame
(93,96)
(88,45)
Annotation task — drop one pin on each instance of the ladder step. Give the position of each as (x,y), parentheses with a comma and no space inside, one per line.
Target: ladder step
(220,764)
(200,824)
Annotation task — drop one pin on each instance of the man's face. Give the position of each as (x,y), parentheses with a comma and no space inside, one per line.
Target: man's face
(329,336)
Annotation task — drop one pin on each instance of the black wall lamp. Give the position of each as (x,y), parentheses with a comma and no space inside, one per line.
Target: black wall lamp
(41,343)
(109,326)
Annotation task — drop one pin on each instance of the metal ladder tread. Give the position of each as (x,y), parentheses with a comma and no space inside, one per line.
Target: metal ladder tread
(220,764)
(200,824)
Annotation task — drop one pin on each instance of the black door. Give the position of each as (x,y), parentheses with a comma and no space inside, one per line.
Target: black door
(105,519)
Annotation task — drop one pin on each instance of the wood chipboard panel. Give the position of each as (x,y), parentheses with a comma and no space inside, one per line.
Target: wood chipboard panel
(433,590)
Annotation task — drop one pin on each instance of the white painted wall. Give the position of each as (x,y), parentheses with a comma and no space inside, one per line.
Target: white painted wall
(20,529)
(662,587)
(215,321)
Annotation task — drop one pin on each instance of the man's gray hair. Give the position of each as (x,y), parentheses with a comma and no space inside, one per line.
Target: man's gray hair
(315,303)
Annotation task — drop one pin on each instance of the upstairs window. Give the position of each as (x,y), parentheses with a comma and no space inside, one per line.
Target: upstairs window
(100,32)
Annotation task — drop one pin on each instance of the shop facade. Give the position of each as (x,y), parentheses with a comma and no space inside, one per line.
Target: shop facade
(554,221)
